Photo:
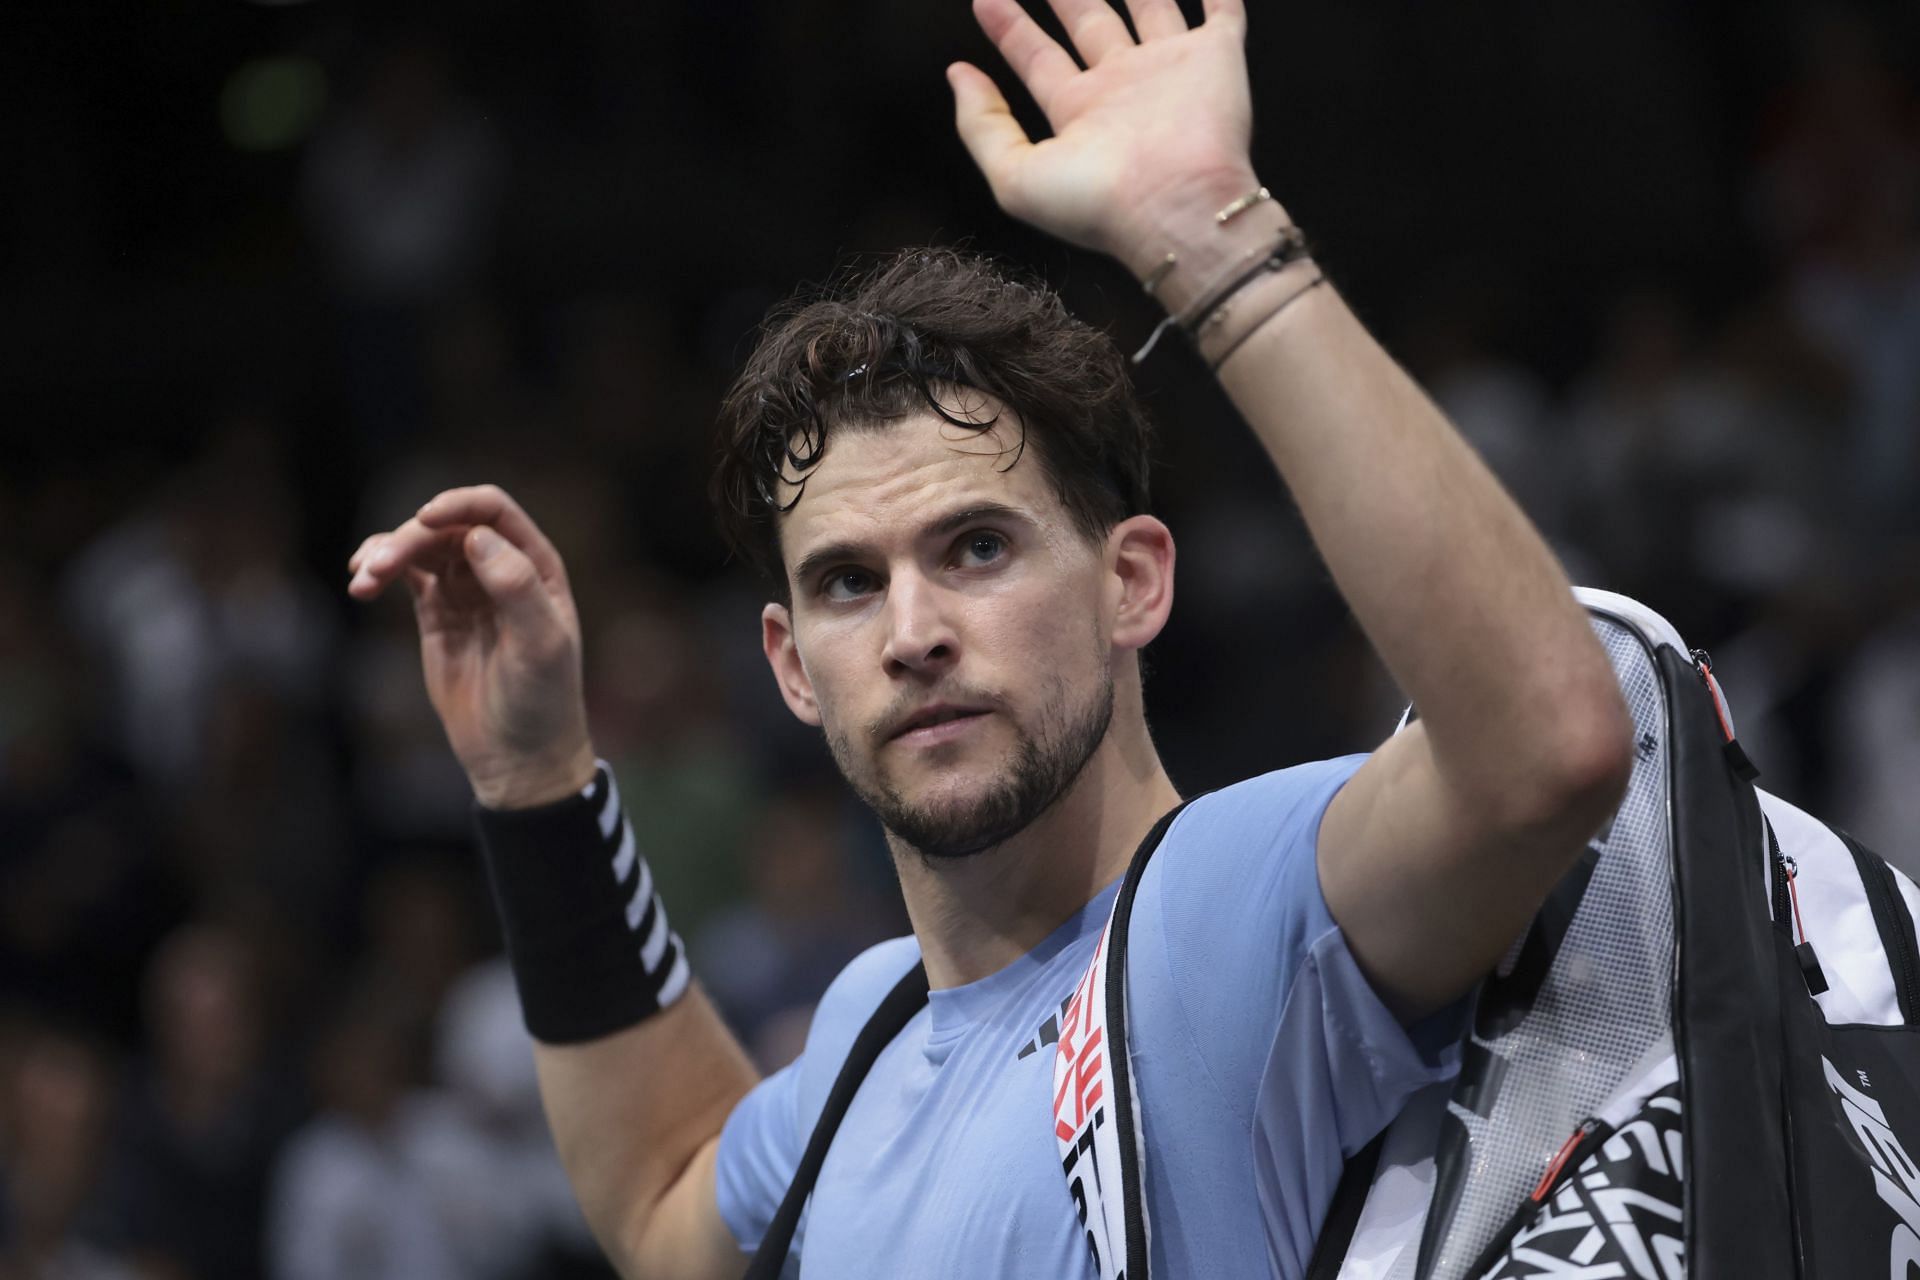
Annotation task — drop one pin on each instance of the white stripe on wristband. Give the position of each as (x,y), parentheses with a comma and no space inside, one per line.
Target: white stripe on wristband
(662,955)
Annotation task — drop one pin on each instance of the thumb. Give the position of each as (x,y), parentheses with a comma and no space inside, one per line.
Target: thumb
(986,125)
(508,577)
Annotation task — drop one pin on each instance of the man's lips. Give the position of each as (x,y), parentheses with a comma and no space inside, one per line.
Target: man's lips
(937,722)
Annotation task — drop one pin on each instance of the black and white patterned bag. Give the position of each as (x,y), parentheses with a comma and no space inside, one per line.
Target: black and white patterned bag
(1702,1059)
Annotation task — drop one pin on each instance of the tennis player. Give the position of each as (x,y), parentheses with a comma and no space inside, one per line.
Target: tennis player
(947,475)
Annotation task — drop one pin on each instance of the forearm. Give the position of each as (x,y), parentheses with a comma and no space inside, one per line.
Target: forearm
(635,1116)
(637,1072)
(1458,593)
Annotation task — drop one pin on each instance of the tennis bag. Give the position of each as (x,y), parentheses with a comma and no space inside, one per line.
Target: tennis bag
(1701,1059)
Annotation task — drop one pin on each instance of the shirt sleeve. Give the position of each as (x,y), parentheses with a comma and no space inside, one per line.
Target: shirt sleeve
(1283,1025)
(764,1138)
(760,1148)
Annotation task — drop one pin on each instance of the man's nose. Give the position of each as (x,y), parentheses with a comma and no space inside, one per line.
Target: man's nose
(920,630)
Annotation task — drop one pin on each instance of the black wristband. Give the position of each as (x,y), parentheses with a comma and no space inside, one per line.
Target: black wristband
(586,934)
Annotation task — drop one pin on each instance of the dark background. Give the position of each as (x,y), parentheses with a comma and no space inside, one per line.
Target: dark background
(270,275)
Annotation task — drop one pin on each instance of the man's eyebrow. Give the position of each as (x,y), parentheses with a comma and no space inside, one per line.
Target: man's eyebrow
(818,559)
(821,557)
(973,515)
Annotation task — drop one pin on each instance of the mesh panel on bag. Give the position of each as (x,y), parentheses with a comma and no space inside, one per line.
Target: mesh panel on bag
(1605,1000)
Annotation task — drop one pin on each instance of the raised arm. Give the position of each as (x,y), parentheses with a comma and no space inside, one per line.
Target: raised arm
(636,1104)
(1437,852)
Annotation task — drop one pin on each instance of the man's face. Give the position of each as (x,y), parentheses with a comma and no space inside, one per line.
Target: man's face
(948,631)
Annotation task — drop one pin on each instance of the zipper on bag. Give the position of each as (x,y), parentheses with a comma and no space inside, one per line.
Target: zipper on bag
(1581,1143)
(1737,758)
(1786,912)
(1777,871)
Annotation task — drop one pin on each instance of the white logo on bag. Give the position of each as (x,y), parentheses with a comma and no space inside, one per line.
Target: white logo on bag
(1895,1176)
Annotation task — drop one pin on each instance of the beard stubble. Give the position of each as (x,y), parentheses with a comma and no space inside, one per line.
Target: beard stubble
(1043,765)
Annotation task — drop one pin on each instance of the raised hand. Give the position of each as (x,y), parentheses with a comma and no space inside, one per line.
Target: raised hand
(1151,132)
(499,641)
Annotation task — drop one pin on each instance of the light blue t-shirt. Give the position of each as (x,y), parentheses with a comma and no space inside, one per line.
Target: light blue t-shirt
(1262,1059)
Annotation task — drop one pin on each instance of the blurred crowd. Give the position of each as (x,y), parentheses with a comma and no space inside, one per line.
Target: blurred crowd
(253,1020)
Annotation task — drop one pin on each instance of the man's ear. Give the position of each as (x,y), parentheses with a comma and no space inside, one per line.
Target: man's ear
(1140,583)
(783,655)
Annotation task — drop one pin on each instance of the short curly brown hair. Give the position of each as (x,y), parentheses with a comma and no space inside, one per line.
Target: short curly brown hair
(881,344)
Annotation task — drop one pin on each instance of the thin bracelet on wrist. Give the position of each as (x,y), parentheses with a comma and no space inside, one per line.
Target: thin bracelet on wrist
(1241,339)
(1290,247)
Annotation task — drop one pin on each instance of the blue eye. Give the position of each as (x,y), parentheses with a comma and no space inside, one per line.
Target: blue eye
(846,584)
(981,547)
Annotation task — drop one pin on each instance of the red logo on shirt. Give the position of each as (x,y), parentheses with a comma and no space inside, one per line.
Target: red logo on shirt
(1083,1047)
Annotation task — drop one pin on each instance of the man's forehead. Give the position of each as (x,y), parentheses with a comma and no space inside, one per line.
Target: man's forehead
(872,469)
(916,470)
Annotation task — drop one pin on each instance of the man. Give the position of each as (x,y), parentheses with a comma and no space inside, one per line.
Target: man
(968,575)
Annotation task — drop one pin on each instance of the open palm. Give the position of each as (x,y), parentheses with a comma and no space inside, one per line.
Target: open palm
(1148,125)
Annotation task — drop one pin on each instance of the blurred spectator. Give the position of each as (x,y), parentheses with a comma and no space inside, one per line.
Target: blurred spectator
(418,936)
(480,1147)
(264,758)
(1838,192)
(200,588)
(397,1180)
(56,1101)
(1700,464)
(406,784)
(82,897)
(1463,319)
(1636,412)
(346,1204)
(805,918)
(401,192)
(401,187)
(1876,734)
(660,719)
(204,1115)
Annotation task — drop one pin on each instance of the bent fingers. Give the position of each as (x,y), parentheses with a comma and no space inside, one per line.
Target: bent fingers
(385,556)
(489,504)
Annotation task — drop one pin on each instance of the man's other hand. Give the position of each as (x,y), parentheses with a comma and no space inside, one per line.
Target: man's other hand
(499,641)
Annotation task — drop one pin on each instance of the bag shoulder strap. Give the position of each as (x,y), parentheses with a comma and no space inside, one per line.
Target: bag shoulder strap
(907,998)
(1343,1215)
(1133,1200)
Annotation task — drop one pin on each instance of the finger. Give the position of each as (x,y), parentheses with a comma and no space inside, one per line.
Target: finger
(1042,65)
(1232,11)
(986,125)
(1156,19)
(362,582)
(446,601)
(1095,28)
(510,579)
(493,506)
(428,599)
(388,554)
(360,552)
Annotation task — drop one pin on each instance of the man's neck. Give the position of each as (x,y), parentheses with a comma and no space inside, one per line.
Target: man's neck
(975,915)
